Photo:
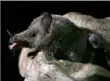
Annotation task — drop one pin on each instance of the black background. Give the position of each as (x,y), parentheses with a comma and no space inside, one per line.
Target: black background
(16,17)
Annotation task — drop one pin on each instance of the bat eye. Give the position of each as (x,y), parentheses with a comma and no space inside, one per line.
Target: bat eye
(33,34)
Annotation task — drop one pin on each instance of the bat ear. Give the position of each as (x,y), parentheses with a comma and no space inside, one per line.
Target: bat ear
(46,21)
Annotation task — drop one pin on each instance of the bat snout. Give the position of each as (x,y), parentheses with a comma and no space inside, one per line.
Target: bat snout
(13,39)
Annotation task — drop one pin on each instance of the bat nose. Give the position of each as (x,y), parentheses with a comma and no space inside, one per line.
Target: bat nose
(13,39)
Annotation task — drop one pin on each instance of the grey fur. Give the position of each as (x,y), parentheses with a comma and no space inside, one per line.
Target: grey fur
(63,38)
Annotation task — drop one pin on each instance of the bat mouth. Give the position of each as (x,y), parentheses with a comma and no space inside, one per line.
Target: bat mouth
(19,44)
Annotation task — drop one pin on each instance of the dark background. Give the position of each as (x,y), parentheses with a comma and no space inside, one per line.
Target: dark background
(16,17)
